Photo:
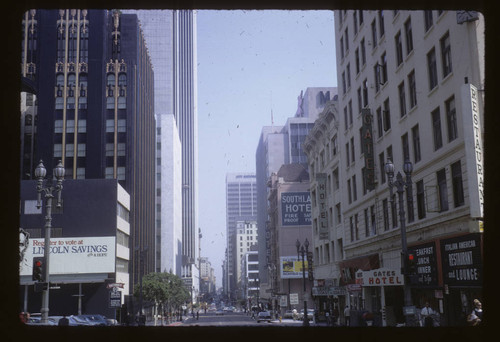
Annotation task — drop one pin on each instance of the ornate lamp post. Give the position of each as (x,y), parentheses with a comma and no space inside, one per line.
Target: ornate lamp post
(303,251)
(400,185)
(40,173)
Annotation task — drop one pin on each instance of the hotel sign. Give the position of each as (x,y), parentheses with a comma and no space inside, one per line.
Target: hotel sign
(295,208)
(324,233)
(382,277)
(367,148)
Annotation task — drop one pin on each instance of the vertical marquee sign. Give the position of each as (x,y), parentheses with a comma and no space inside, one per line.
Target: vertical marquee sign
(322,207)
(473,148)
(367,140)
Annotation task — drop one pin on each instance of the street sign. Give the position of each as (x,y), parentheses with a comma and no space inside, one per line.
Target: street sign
(115,298)
(294,298)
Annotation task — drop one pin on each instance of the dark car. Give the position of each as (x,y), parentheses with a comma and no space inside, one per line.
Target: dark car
(264,316)
(219,312)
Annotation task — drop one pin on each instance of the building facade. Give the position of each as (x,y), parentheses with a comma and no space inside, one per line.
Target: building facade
(289,223)
(411,90)
(90,247)
(94,84)
(245,239)
(279,145)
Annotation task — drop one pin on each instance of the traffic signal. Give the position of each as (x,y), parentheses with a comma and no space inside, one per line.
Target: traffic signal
(412,264)
(39,269)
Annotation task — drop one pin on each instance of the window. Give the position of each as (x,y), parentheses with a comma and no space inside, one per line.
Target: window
(381,161)
(349,107)
(336,183)
(385,209)
(80,173)
(356,226)
(451,119)
(70,150)
(427,20)
(374,33)
(110,126)
(121,149)
(355,22)
(399,48)
(376,71)
(458,188)
(436,127)
(365,93)
(387,116)
(360,100)
(122,125)
(402,99)
(405,146)
(346,125)
(353,156)
(110,150)
(109,172)
(413,89)
(334,145)
(373,220)
(349,193)
(420,199)
(363,52)
(381,22)
(442,190)
(379,122)
(57,150)
(346,35)
(82,126)
(383,68)
(409,36)
(394,212)
(432,69)
(70,126)
(360,16)
(348,75)
(347,153)
(344,88)
(356,60)
(339,213)
(58,126)
(354,189)
(446,54)
(416,144)
(342,47)
(81,150)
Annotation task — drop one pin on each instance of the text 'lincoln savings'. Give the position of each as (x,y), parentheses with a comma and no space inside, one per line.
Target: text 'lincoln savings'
(295,208)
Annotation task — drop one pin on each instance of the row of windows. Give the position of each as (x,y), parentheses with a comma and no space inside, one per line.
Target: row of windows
(424,203)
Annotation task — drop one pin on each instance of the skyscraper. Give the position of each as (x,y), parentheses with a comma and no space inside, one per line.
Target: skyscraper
(171,39)
(94,89)
(241,205)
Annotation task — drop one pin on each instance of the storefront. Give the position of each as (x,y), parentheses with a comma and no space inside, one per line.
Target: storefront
(462,263)
(327,298)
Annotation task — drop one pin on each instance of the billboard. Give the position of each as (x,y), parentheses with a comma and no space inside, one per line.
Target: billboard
(291,267)
(296,208)
(73,255)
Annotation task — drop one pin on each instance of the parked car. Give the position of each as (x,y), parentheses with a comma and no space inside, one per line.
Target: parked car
(93,319)
(73,320)
(264,316)
(288,314)
(310,314)
(37,320)
(219,312)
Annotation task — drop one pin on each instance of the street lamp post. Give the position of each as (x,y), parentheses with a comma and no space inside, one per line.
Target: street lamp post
(400,185)
(303,251)
(40,173)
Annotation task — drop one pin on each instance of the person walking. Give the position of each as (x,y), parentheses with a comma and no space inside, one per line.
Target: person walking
(426,315)
(347,316)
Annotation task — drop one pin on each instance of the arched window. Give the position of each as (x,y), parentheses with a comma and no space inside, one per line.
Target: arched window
(110,79)
(122,80)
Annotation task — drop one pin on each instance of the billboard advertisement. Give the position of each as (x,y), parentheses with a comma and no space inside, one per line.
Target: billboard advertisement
(73,255)
(291,267)
(295,208)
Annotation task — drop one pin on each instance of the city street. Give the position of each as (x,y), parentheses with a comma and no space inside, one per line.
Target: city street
(231,319)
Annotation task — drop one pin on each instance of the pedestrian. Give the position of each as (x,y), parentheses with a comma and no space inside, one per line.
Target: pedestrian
(426,315)
(476,316)
(328,321)
(335,315)
(197,315)
(347,316)
(64,321)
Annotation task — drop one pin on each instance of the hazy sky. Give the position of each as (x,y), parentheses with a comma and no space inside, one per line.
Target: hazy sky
(250,63)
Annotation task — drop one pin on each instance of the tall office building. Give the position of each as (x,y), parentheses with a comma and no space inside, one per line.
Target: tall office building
(241,205)
(94,93)
(171,40)
(279,145)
